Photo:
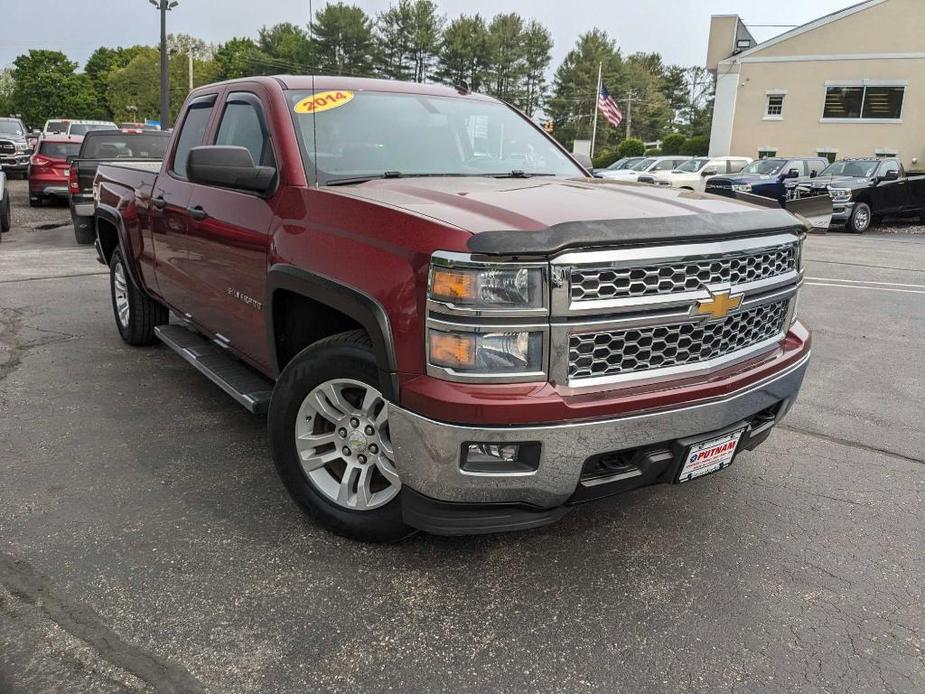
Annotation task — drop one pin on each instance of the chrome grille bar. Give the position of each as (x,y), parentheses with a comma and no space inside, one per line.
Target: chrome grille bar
(630,315)
(617,352)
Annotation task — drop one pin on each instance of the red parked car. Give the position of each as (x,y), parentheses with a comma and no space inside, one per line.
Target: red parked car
(48,168)
(449,324)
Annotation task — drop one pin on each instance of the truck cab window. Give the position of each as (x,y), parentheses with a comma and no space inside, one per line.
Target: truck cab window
(242,126)
(192,133)
(888,166)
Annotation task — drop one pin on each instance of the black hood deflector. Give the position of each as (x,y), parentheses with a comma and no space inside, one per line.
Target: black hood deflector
(634,232)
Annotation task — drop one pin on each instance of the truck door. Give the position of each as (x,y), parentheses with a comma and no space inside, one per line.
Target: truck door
(229,238)
(889,196)
(169,200)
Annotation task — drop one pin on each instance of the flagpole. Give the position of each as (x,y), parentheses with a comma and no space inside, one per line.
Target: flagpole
(597,96)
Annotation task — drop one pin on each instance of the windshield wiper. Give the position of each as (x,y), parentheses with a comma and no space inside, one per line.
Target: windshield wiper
(347,180)
(517,173)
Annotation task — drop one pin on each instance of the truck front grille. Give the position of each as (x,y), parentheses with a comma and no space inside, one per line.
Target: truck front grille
(618,352)
(594,284)
(7,147)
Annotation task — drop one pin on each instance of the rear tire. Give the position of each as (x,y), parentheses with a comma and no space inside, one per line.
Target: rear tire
(860,219)
(136,314)
(328,431)
(86,235)
(5,214)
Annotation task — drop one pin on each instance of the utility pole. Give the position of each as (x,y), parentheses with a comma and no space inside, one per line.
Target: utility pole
(597,97)
(190,56)
(629,99)
(163,7)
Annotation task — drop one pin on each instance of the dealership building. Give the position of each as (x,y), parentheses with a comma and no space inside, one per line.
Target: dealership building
(850,84)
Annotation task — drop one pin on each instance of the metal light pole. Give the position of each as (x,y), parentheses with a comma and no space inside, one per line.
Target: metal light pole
(163,7)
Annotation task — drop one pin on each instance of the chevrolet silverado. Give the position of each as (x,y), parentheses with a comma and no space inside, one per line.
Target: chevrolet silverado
(449,324)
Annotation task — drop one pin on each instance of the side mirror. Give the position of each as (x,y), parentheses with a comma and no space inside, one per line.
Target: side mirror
(891,175)
(793,173)
(584,160)
(709,172)
(228,167)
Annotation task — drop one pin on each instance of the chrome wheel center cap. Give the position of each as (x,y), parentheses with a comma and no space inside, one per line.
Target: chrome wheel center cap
(357,441)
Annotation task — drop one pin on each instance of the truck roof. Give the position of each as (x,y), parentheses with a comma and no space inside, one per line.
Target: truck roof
(324,82)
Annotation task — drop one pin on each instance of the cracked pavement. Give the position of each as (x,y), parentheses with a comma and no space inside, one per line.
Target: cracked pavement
(146,544)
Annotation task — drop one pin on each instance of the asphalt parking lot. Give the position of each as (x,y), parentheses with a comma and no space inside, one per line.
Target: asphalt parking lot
(146,543)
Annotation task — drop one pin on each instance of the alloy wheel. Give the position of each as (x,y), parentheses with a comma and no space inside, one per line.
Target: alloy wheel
(120,294)
(342,438)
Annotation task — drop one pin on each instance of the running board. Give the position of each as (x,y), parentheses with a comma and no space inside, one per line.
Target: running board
(234,377)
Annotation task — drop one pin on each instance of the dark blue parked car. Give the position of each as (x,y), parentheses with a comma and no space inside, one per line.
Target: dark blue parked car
(766,177)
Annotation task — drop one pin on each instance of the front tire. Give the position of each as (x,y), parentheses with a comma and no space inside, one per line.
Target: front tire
(136,314)
(329,434)
(860,219)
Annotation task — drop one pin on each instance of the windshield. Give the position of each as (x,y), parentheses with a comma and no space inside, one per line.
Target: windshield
(60,150)
(121,145)
(766,167)
(624,163)
(11,127)
(642,164)
(666,165)
(84,128)
(855,169)
(693,166)
(56,127)
(370,134)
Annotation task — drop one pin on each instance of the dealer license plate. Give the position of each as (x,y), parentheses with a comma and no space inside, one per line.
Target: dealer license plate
(709,456)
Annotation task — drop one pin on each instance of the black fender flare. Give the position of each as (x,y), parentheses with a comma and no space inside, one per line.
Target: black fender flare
(350,301)
(111,215)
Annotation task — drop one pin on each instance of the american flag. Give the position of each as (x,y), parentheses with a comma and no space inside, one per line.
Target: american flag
(609,107)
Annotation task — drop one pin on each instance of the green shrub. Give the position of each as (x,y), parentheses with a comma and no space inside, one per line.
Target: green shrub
(604,159)
(698,146)
(632,148)
(655,152)
(673,143)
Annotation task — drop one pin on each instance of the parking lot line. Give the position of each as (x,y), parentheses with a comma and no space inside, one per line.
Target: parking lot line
(870,289)
(841,281)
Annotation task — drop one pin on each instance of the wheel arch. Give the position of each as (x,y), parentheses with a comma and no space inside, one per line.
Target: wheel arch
(111,234)
(345,307)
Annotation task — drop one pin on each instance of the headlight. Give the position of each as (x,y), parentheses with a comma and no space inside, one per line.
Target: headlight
(507,352)
(742,188)
(840,194)
(470,286)
(23,146)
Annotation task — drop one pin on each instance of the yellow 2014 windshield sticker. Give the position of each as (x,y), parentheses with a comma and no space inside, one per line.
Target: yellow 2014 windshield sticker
(323,101)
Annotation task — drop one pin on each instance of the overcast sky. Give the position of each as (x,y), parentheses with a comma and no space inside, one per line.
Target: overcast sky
(675,28)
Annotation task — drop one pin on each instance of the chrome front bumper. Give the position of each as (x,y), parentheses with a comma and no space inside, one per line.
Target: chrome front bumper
(841,211)
(427,452)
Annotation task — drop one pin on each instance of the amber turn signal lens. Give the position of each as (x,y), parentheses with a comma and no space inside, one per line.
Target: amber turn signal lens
(452,285)
(452,350)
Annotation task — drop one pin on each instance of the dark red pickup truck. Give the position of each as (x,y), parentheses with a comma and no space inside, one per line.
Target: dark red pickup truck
(451,327)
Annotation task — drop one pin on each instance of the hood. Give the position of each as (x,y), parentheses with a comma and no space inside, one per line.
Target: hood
(741,179)
(13,138)
(825,181)
(543,205)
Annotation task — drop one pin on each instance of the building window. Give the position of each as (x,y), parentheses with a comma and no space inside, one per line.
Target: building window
(830,154)
(767,153)
(775,105)
(863,103)
(886,153)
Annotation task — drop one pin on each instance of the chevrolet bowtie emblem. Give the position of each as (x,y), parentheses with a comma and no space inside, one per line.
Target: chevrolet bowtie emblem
(718,305)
